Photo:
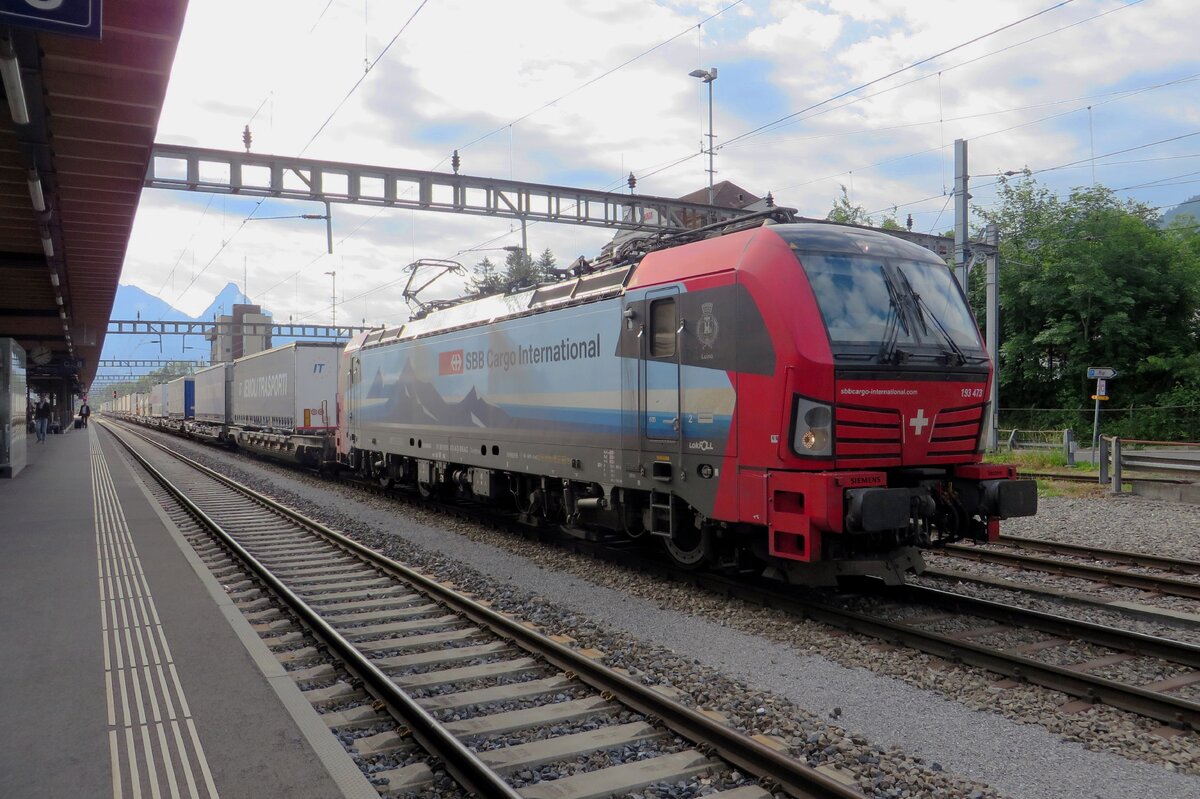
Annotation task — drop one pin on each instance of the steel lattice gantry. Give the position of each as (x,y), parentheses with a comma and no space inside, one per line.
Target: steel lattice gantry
(147,363)
(230,172)
(172,328)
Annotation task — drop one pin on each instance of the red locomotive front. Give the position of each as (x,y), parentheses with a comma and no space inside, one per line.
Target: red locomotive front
(874,449)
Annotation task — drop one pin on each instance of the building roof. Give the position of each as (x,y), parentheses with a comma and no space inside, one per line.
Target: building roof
(94,108)
(725,195)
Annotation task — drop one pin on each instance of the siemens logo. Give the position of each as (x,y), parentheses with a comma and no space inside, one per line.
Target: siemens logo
(265,386)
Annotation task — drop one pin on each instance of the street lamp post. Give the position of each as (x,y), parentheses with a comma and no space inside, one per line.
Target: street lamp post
(708,76)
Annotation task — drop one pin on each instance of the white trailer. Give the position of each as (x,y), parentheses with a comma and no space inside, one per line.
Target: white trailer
(284,401)
(181,398)
(292,388)
(157,402)
(212,393)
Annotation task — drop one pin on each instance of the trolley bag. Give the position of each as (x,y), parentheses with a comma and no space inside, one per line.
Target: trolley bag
(78,424)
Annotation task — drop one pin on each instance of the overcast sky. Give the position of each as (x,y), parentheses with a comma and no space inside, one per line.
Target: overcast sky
(1086,88)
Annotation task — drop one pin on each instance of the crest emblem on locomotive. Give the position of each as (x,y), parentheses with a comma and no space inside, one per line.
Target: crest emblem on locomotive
(707,328)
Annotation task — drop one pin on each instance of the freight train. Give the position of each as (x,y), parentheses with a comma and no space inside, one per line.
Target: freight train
(803,400)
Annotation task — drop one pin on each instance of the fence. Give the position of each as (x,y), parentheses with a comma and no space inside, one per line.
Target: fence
(1119,457)
(1160,422)
(1047,440)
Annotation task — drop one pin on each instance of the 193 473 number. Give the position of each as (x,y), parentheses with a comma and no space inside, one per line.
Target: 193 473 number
(972,393)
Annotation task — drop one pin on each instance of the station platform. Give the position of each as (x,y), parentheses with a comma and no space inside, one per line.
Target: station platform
(128,672)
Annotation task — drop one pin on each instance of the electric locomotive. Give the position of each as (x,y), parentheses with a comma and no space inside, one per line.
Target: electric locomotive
(807,400)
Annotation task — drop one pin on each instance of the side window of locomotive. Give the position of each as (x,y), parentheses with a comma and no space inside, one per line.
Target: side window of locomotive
(663,324)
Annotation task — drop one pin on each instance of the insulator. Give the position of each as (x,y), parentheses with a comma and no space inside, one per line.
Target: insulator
(632,181)
(455,162)
(246,137)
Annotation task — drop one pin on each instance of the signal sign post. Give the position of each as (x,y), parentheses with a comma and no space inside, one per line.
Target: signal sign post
(1101,374)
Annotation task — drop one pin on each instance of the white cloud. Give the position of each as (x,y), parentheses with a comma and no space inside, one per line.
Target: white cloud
(464,68)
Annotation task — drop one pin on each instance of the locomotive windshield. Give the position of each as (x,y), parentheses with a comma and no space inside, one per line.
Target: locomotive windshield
(891,304)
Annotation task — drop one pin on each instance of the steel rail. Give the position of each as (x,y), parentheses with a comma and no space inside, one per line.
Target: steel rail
(1168,649)
(1093,478)
(1148,612)
(460,761)
(1116,555)
(1171,710)
(788,774)
(1162,585)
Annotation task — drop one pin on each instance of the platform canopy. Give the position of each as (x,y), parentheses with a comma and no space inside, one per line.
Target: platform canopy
(77,122)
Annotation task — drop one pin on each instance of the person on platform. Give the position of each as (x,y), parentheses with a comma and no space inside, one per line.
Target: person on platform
(85,411)
(41,417)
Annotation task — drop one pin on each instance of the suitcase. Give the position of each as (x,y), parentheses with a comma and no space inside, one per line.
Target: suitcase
(78,424)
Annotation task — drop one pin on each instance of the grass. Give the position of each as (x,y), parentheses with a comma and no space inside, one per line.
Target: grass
(1045,460)
(1038,460)
(1062,488)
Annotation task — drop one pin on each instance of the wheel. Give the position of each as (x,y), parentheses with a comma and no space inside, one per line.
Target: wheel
(690,548)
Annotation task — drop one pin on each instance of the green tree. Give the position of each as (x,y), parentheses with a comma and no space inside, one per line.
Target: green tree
(544,265)
(520,271)
(487,279)
(846,212)
(1090,280)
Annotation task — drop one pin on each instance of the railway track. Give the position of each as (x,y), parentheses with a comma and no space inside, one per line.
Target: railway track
(1065,655)
(1046,557)
(1088,661)
(422,677)
(1096,553)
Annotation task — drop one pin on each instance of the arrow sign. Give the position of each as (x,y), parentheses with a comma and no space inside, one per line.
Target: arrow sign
(1101,372)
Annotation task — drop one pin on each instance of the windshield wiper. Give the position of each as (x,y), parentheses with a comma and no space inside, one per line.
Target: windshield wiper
(956,357)
(888,352)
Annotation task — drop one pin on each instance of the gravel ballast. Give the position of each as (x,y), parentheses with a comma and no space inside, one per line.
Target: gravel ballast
(796,675)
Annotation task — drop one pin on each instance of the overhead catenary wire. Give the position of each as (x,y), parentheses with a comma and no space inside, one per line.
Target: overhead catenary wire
(902,70)
(678,161)
(1057,167)
(938,74)
(654,171)
(543,106)
(740,140)
(363,77)
(183,251)
(1123,95)
(600,77)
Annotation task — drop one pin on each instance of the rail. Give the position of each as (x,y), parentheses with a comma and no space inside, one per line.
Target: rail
(1121,456)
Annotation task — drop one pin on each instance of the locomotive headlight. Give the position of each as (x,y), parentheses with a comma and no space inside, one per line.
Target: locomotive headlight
(813,432)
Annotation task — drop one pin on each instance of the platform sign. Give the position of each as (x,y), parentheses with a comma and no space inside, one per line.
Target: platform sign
(1101,373)
(70,17)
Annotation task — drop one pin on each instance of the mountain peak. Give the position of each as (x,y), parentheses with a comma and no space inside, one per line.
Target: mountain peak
(223,303)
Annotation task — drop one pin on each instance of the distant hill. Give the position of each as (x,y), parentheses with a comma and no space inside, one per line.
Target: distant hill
(133,303)
(1189,208)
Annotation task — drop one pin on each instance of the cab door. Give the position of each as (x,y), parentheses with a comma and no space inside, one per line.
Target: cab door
(660,370)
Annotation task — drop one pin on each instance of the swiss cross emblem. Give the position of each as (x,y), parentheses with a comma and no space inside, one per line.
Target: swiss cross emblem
(918,422)
(450,363)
